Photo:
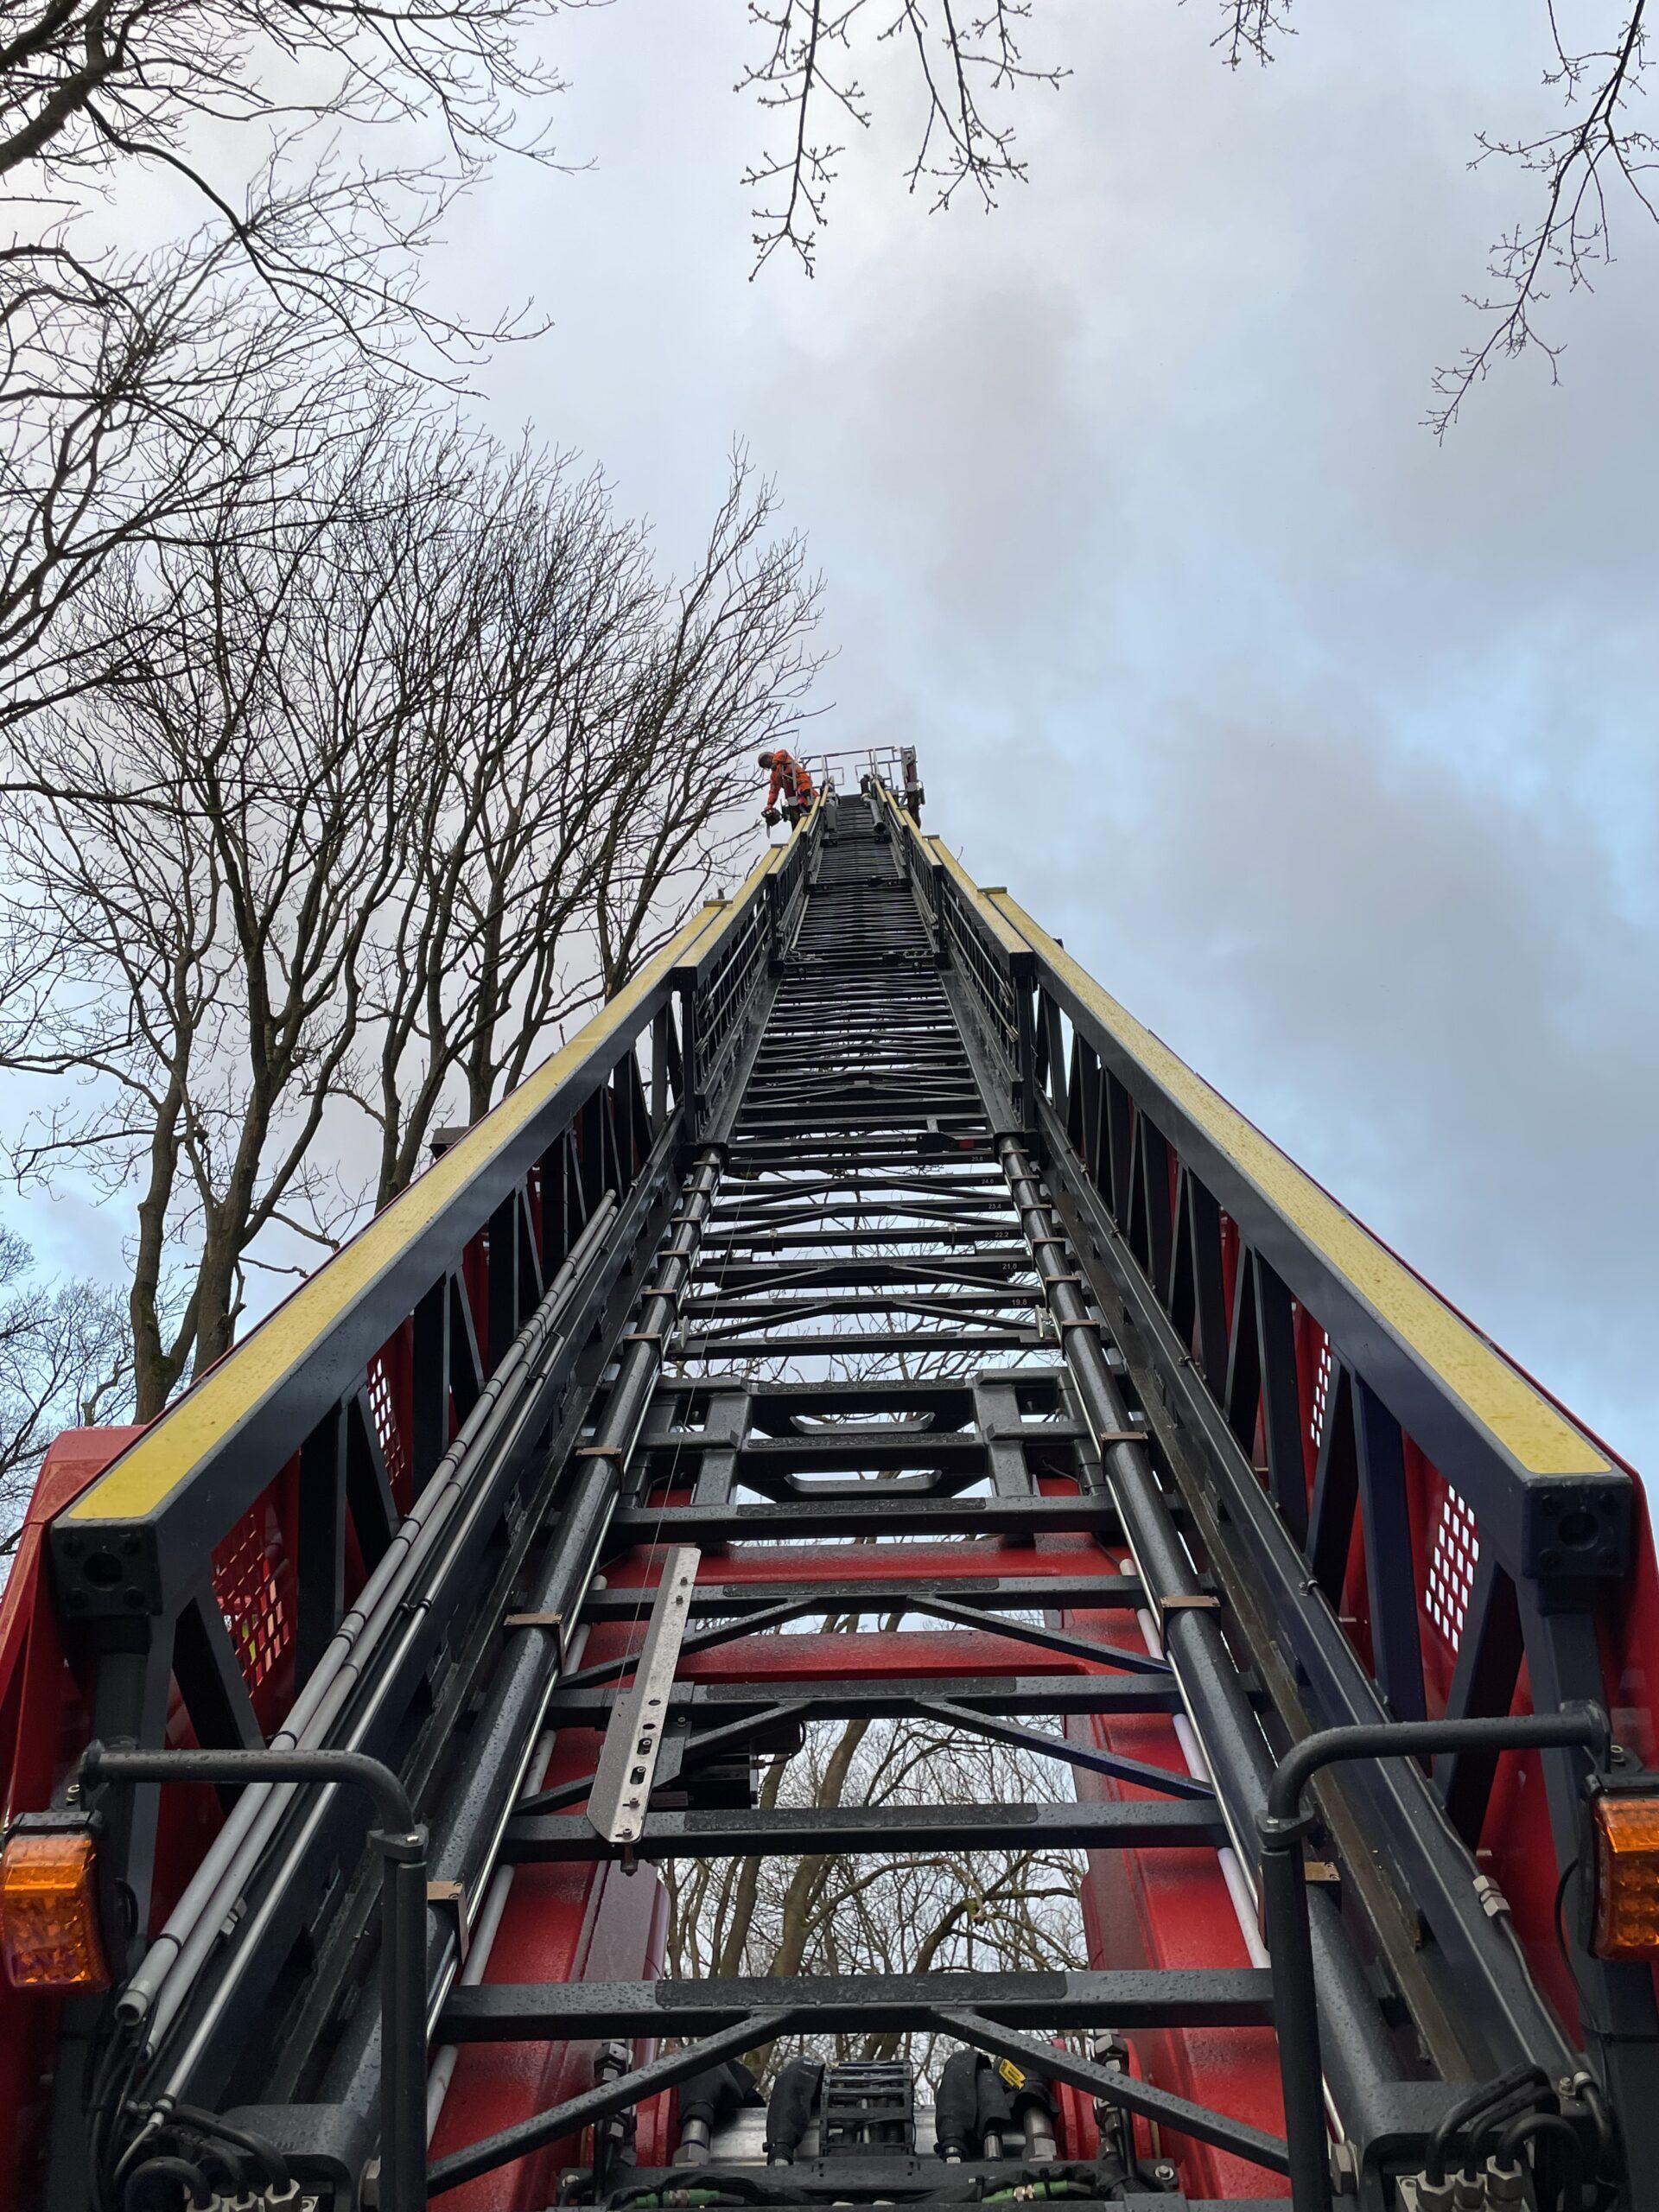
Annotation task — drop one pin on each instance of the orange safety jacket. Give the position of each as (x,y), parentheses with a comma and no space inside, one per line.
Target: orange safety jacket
(787,770)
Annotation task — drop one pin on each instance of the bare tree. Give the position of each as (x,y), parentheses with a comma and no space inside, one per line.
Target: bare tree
(393,773)
(90,89)
(62,1360)
(1599,150)
(194,867)
(726,675)
(836,1916)
(142,403)
(127,374)
(806,73)
(515,618)
(588,726)
(1248,29)
(87,83)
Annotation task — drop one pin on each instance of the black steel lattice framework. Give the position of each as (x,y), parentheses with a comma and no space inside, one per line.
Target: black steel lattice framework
(900,1238)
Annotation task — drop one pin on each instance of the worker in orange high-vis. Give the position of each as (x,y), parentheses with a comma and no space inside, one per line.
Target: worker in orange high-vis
(790,778)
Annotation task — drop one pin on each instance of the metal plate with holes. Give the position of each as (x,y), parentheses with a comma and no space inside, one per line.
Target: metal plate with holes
(621,1791)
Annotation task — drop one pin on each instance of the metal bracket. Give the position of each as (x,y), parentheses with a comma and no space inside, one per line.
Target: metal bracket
(451,1896)
(554,1621)
(627,1761)
(1166,1606)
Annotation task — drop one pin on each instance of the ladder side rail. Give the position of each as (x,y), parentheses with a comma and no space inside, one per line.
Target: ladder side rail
(723,989)
(972,941)
(131,1544)
(1267,1323)
(286,1465)
(402,1684)
(1428,1413)
(129,1556)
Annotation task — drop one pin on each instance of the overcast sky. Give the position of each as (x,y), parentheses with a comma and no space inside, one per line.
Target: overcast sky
(1328,749)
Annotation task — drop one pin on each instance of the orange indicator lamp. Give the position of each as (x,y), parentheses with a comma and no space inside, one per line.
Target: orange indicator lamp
(1624,1829)
(50,1935)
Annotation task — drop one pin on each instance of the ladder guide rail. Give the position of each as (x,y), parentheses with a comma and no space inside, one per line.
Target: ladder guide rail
(864,1318)
(1336,1415)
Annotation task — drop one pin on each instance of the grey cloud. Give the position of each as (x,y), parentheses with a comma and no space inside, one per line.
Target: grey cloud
(1330,750)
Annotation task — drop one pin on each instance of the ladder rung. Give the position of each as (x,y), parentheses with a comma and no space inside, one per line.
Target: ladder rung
(873,1515)
(1131,1997)
(781,1831)
(889,1699)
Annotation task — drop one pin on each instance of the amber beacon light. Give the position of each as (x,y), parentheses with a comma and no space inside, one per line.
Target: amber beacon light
(1626,1835)
(49,1928)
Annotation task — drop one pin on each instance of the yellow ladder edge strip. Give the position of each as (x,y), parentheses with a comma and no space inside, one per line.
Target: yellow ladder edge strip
(179,1439)
(1535,1434)
(1539,1437)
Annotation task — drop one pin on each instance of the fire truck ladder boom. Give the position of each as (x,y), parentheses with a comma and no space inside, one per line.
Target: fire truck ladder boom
(864,1319)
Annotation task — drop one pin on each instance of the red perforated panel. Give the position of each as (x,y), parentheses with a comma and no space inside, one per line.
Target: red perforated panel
(1456,1547)
(253,1581)
(1321,1392)
(382,1406)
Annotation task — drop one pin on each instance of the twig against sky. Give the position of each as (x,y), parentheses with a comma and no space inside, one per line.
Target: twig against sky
(962,60)
(1600,150)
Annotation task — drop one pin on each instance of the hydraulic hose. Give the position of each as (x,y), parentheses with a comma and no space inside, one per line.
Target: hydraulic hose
(994,2118)
(144,2182)
(955,2107)
(1451,2125)
(707,2101)
(266,2155)
(1547,2126)
(789,2108)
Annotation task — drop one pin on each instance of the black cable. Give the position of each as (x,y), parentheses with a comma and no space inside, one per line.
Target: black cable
(761,2187)
(99,2115)
(209,2123)
(1500,2115)
(1568,2192)
(662,2193)
(1558,1921)
(1470,2107)
(189,2178)
(1589,2092)
(111,2091)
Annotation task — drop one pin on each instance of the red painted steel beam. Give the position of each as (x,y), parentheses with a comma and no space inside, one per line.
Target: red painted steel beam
(1166,1910)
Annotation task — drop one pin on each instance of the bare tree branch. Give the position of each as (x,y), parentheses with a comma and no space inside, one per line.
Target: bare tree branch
(389,769)
(805,66)
(63,1360)
(1599,150)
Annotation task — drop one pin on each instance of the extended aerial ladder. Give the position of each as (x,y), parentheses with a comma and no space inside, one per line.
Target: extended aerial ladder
(863,1262)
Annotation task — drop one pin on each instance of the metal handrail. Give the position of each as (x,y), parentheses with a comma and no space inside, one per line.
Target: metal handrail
(1281,1829)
